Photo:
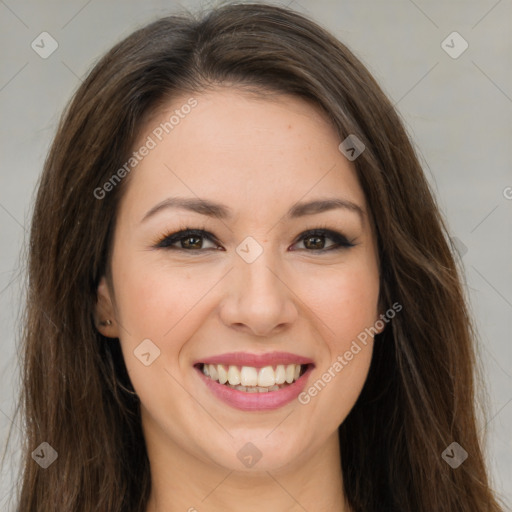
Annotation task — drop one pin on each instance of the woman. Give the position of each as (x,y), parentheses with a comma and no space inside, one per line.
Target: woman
(241,292)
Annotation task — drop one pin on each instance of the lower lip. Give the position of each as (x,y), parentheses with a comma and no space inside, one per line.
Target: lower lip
(257,401)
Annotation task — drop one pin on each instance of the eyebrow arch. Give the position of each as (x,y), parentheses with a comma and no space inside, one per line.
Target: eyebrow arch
(213,209)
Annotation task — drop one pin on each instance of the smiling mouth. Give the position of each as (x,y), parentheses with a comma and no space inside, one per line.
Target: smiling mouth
(254,380)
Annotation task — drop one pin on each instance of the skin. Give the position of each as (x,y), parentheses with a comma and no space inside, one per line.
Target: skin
(258,157)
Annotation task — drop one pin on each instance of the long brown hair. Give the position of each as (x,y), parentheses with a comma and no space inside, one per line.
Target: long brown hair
(420,393)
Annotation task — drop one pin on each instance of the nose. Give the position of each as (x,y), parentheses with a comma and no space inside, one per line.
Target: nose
(258,299)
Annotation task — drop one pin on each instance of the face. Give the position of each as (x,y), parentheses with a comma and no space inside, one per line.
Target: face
(270,290)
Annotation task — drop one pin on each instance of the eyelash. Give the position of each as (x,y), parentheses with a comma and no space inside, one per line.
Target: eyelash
(166,242)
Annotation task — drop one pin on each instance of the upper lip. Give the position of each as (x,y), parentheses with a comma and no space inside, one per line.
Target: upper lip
(255,360)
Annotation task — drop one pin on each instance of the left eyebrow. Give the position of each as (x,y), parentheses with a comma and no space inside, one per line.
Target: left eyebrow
(323,205)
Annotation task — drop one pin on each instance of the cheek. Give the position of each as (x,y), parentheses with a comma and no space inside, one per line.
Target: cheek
(347,307)
(152,300)
(162,307)
(165,305)
(347,302)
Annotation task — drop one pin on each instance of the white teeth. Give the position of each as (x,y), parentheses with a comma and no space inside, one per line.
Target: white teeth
(290,373)
(249,376)
(223,374)
(266,377)
(233,376)
(280,374)
(213,372)
(251,379)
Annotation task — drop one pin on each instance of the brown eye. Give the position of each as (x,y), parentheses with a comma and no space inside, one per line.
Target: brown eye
(189,240)
(197,242)
(315,240)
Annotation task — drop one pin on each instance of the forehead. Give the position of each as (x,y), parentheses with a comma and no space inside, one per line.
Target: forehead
(241,148)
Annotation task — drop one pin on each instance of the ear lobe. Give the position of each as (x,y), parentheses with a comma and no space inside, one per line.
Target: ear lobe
(104,316)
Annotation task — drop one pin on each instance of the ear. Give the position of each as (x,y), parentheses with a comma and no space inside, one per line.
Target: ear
(104,316)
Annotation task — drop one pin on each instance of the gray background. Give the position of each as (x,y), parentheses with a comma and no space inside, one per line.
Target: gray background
(457,110)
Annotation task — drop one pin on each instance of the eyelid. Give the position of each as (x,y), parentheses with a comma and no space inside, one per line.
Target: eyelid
(339,238)
(341,241)
(180,233)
